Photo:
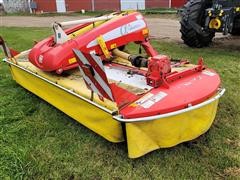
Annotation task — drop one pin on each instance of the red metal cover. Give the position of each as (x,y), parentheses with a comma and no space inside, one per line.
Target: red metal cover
(118,32)
(188,91)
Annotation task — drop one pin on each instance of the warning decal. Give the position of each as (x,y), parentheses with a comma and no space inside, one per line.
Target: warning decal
(150,99)
(208,73)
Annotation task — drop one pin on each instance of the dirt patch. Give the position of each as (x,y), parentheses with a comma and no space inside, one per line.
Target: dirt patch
(163,16)
(227,42)
(34,21)
(232,171)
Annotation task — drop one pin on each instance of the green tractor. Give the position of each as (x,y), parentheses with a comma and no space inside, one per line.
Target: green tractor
(201,19)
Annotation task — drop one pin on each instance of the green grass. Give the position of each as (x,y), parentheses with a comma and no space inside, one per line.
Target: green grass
(148,11)
(159,11)
(50,14)
(38,141)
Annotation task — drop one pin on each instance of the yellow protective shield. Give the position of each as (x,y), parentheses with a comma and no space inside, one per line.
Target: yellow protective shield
(144,137)
(90,116)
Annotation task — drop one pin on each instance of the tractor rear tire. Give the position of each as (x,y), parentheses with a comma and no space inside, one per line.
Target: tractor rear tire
(194,10)
(236,26)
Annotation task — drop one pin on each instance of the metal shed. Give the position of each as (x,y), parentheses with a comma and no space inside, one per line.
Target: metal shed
(93,5)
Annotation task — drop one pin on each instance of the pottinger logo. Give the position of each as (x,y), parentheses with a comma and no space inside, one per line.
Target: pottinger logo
(131,27)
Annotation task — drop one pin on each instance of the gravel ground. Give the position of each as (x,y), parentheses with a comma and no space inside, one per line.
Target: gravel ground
(164,28)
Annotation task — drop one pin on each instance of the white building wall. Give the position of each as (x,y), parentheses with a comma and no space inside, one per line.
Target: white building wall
(11,6)
(132,4)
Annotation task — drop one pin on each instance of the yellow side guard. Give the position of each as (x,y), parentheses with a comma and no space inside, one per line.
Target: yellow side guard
(144,137)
